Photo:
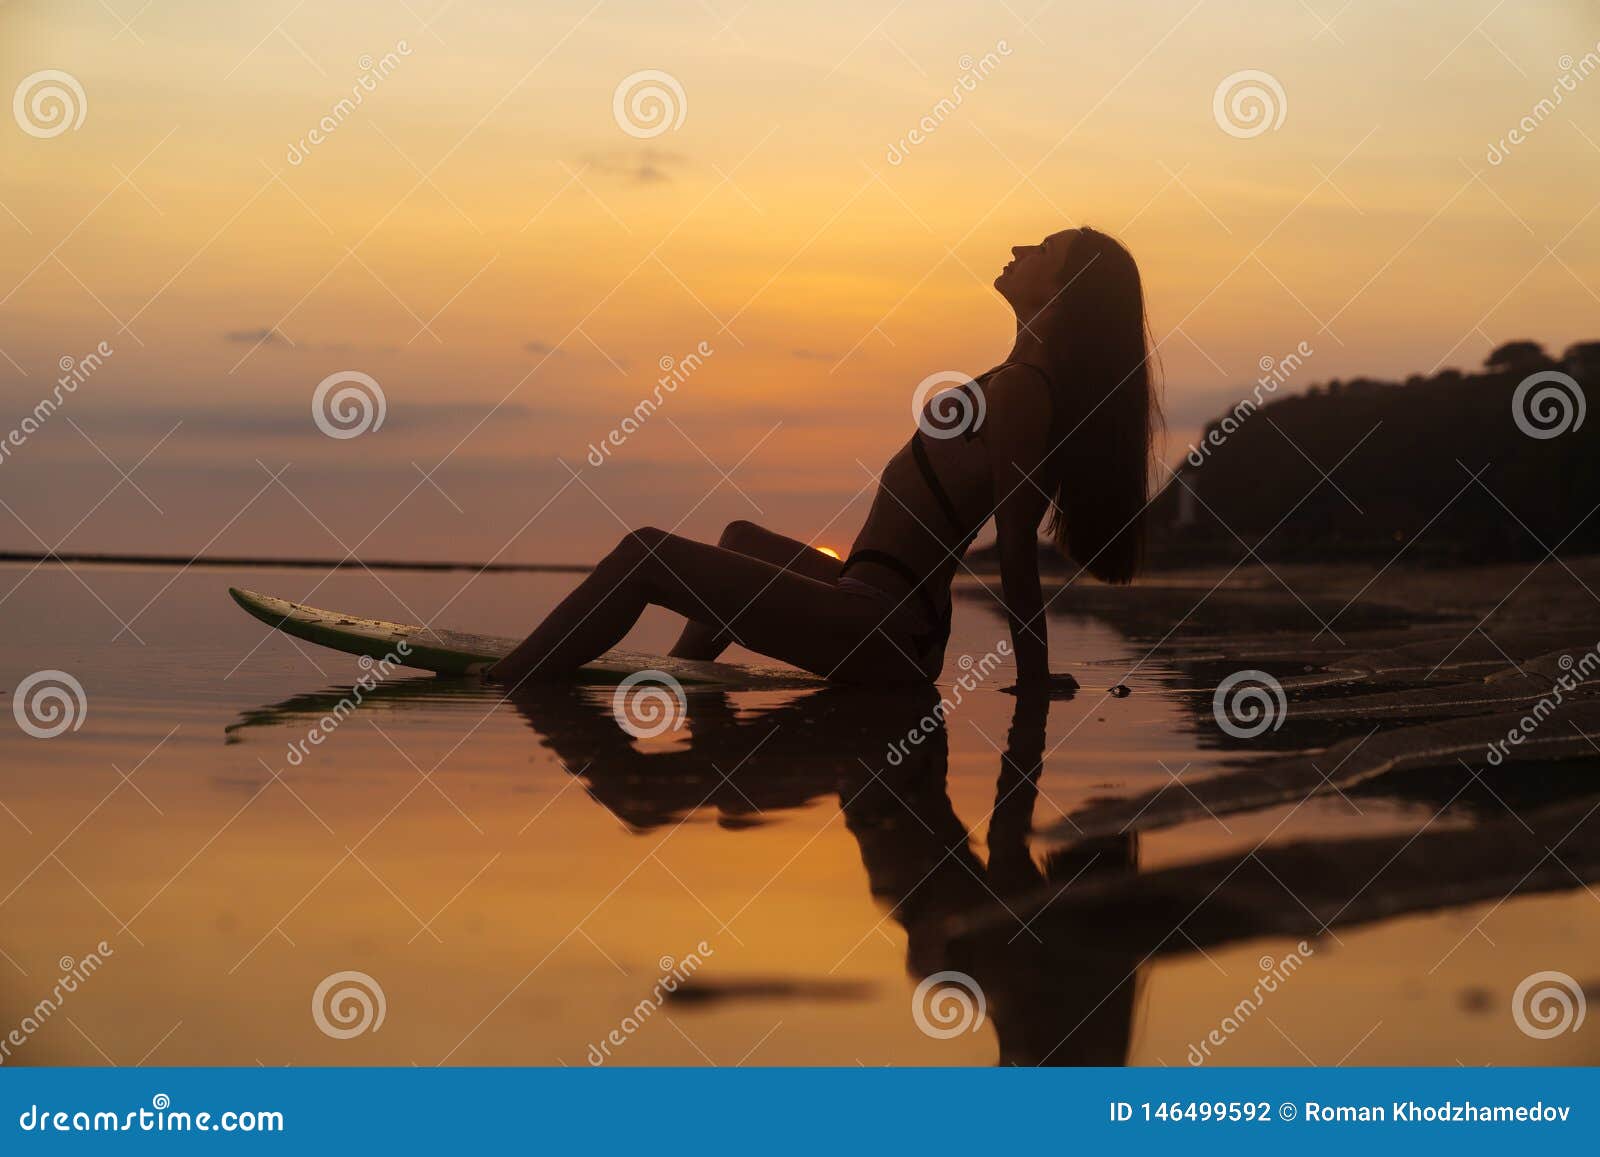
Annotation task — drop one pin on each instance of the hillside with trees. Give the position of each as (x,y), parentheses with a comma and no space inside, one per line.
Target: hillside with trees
(1458,467)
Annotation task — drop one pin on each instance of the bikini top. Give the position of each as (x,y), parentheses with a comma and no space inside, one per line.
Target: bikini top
(934,497)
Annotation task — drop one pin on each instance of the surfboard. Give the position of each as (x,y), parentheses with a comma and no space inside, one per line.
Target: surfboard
(460,653)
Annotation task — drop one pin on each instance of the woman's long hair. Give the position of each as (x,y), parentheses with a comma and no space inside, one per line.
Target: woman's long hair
(1098,341)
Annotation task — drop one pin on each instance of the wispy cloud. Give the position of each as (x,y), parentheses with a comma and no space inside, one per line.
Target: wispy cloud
(293,420)
(277,339)
(266,335)
(645,166)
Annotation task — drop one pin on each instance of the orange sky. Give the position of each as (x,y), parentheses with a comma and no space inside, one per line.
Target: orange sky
(482,237)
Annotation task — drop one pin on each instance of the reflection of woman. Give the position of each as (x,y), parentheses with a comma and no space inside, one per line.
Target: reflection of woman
(1054,999)
(738,763)
(1061,428)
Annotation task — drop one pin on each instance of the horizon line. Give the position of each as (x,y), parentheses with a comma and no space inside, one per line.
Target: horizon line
(92,558)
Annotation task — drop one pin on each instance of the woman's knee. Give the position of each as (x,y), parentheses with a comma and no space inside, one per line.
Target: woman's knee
(740,532)
(646,538)
(635,547)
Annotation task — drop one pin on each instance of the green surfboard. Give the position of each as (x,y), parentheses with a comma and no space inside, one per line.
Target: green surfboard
(459,653)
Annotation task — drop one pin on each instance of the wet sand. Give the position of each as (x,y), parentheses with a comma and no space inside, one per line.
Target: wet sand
(1113,874)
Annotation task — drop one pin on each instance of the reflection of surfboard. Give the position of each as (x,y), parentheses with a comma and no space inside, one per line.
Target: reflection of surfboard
(456,653)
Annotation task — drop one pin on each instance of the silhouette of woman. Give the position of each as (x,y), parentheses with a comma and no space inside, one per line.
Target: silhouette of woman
(1062,427)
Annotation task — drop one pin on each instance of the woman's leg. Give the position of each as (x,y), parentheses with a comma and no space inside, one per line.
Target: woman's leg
(812,624)
(707,640)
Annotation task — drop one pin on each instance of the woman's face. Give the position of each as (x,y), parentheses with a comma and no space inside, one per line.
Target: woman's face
(1036,273)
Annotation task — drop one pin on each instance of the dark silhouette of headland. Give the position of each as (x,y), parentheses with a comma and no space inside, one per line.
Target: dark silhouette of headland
(1452,468)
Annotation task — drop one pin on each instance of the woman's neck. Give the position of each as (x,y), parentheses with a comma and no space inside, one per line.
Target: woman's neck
(1029,347)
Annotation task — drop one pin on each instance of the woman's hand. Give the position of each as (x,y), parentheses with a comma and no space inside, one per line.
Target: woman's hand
(1059,685)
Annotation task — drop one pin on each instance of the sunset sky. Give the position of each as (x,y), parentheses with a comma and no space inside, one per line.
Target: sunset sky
(483,239)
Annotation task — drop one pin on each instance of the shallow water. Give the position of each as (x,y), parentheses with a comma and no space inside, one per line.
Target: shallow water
(518,878)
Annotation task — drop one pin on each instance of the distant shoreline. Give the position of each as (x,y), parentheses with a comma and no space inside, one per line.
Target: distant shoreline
(59,558)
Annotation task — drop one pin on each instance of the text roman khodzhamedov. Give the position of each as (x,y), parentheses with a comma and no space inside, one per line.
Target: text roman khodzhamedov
(1407,1112)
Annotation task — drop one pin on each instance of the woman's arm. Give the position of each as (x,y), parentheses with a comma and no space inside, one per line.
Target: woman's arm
(1016,430)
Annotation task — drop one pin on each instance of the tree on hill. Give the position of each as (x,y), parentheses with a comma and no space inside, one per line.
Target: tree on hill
(1441,469)
(1516,356)
(1582,356)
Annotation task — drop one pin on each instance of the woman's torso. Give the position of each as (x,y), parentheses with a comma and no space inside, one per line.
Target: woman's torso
(934,496)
